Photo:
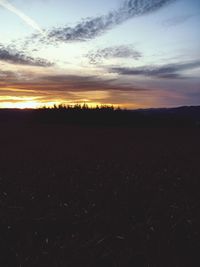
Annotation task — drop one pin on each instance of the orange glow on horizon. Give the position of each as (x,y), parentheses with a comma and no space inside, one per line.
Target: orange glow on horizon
(36,104)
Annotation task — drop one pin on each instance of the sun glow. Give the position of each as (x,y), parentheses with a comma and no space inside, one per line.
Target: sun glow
(31,104)
(37,102)
(21,105)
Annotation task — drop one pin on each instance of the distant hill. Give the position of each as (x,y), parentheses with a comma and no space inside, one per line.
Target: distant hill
(170,117)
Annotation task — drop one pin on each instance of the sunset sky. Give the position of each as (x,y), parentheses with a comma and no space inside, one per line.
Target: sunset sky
(129,53)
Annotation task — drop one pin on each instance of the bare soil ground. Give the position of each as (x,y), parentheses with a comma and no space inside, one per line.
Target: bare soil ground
(75,196)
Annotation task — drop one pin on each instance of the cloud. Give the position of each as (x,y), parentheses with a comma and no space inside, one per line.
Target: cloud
(63,83)
(68,89)
(16,57)
(92,27)
(178,20)
(6,76)
(170,71)
(86,83)
(122,51)
(21,15)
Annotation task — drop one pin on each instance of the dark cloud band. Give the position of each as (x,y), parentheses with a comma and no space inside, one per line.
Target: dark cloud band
(167,71)
(63,83)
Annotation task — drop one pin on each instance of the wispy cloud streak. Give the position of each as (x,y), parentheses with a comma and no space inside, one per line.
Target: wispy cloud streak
(121,51)
(20,14)
(93,27)
(178,20)
(18,57)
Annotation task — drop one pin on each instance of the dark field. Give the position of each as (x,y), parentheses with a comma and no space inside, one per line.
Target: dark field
(73,196)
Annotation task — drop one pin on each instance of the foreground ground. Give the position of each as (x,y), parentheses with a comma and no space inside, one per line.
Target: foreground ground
(99,197)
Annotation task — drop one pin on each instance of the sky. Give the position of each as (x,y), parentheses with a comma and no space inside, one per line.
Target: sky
(127,53)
